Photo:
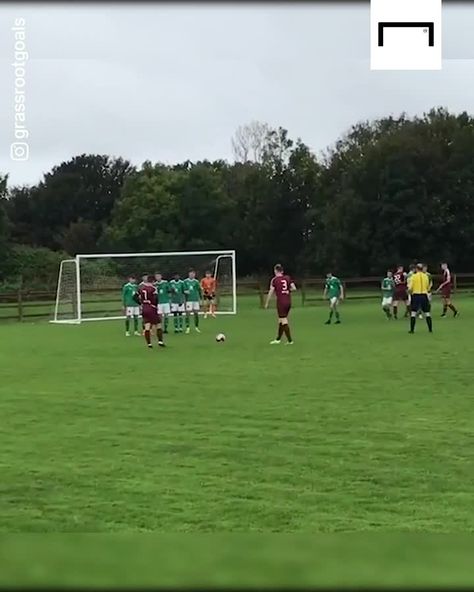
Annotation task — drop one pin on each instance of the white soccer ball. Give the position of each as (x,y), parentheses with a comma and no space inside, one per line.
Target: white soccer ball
(220,338)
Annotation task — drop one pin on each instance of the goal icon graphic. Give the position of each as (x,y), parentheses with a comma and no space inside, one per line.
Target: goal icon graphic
(89,286)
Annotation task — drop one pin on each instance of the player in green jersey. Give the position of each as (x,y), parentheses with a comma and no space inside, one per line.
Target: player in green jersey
(388,287)
(193,294)
(334,291)
(164,299)
(177,302)
(130,306)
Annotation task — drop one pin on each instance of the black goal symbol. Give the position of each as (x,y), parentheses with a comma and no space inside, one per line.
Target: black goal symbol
(427,27)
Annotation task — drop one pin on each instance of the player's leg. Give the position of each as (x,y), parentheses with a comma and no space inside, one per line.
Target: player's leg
(451,306)
(181,314)
(128,318)
(206,305)
(286,325)
(196,309)
(445,305)
(407,306)
(426,310)
(174,312)
(213,306)
(147,332)
(386,302)
(188,308)
(159,332)
(414,308)
(395,309)
(136,315)
(166,315)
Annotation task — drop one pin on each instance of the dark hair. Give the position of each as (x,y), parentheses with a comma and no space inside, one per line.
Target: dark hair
(192,270)
(208,271)
(278,268)
(151,279)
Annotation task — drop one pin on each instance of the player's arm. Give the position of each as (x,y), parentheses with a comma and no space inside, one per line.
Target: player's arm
(325,290)
(271,291)
(137,298)
(341,295)
(445,283)
(292,287)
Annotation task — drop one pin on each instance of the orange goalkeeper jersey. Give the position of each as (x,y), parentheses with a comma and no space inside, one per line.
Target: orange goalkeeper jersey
(208,285)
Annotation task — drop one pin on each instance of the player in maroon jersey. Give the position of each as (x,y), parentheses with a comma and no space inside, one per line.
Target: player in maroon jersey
(282,286)
(147,297)
(445,289)
(400,293)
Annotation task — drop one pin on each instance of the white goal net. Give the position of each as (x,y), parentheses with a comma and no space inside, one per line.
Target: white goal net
(89,286)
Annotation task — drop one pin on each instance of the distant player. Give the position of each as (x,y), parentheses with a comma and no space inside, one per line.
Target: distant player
(164,299)
(193,294)
(418,288)
(282,286)
(411,271)
(140,286)
(334,291)
(147,297)
(209,288)
(400,293)
(388,287)
(130,307)
(177,302)
(445,288)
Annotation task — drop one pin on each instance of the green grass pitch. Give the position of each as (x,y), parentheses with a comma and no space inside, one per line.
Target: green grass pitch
(357,427)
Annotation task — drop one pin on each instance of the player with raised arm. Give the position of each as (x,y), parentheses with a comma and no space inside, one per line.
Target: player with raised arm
(334,291)
(148,298)
(282,286)
(209,289)
(193,294)
(388,286)
(164,307)
(177,302)
(130,307)
(445,288)
(400,293)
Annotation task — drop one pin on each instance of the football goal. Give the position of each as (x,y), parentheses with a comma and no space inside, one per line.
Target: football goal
(89,286)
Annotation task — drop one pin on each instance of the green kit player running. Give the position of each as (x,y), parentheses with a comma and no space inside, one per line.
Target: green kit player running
(130,306)
(193,293)
(164,299)
(388,289)
(177,302)
(334,291)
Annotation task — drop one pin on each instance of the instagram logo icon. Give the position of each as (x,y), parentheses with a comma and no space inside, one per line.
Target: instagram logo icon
(19,151)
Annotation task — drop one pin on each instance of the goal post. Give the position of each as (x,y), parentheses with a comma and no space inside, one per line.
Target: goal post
(89,286)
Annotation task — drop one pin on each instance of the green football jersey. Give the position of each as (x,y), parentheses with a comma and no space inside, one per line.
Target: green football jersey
(128,291)
(163,290)
(388,286)
(192,289)
(333,287)
(177,291)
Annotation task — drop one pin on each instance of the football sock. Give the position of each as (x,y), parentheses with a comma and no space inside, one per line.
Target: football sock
(395,311)
(331,314)
(175,321)
(196,319)
(337,315)
(127,324)
(286,330)
(429,322)
(147,336)
(159,333)
(387,312)
(445,308)
(187,321)
(413,323)
(166,322)
(453,308)
(135,324)
(280,331)
(181,322)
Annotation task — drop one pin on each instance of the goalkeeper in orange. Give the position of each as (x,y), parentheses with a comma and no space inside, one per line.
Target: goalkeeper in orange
(209,287)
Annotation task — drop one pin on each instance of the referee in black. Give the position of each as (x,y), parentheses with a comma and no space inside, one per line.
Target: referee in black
(418,286)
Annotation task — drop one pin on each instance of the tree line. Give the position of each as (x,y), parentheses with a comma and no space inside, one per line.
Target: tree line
(389,190)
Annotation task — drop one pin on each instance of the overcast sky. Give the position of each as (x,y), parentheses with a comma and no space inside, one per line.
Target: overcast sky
(169,83)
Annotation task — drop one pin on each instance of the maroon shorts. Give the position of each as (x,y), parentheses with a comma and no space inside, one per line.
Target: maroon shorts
(150,315)
(446,292)
(283,309)
(400,295)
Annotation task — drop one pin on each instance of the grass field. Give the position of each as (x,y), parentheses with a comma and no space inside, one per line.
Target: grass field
(357,427)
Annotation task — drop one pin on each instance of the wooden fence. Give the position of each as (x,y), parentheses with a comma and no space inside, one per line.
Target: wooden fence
(26,305)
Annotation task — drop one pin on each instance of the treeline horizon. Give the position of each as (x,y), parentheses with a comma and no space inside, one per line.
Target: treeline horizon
(396,189)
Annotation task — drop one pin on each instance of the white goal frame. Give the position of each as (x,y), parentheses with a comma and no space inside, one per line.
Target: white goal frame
(218,254)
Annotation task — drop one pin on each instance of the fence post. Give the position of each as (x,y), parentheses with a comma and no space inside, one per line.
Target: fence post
(20,305)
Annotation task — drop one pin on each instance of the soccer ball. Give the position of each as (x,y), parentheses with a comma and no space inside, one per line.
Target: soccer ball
(220,338)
